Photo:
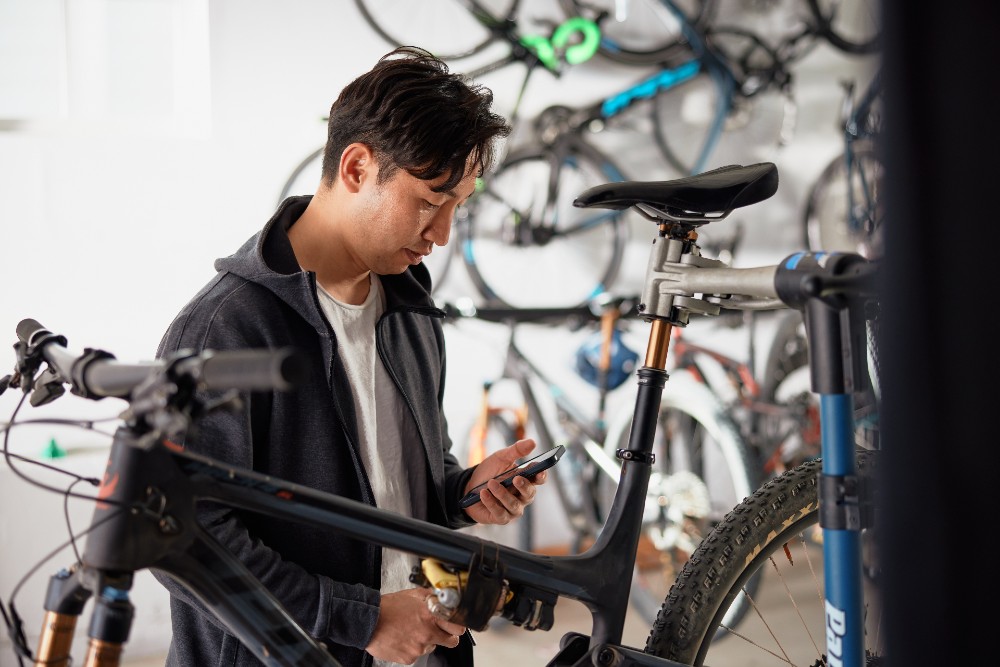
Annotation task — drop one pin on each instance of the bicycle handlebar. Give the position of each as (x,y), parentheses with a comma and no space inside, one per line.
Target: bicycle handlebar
(96,374)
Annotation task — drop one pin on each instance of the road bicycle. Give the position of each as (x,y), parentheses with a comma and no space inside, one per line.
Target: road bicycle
(702,465)
(144,514)
(843,209)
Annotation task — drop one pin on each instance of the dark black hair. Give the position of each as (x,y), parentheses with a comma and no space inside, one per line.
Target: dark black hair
(415,115)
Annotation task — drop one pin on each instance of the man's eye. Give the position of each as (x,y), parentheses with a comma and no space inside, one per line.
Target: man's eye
(430,206)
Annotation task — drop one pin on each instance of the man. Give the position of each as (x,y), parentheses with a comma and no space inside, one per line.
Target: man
(338,275)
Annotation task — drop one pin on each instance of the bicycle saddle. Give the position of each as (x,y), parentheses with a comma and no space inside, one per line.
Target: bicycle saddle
(722,189)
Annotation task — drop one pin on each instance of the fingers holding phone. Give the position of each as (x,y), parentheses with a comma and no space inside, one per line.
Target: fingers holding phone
(504,483)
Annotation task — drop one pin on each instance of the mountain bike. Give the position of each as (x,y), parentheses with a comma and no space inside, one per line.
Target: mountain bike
(843,209)
(838,295)
(702,465)
(144,514)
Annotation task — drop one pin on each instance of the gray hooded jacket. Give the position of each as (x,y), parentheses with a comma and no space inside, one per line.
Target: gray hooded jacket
(329,583)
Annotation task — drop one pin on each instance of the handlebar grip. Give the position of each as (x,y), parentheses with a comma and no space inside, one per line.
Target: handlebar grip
(96,374)
(253,369)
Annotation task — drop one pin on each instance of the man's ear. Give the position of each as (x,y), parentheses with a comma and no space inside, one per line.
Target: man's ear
(356,165)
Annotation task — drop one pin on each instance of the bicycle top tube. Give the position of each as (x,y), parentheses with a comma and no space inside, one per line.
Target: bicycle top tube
(589,312)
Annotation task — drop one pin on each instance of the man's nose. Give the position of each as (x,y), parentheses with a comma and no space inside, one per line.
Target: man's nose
(440,228)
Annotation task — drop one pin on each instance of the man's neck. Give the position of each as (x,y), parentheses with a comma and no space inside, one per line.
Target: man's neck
(319,248)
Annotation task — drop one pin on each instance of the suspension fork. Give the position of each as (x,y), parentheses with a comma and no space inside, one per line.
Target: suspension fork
(110,622)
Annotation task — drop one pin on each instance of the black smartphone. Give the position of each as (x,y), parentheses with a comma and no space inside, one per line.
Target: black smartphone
(528,468)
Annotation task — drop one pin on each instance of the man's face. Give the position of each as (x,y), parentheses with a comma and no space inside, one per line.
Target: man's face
(402,219)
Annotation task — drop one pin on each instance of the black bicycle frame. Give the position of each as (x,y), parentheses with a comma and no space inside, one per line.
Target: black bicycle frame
(146,519)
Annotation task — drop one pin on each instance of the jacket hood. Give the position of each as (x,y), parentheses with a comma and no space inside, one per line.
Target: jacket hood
(268,260)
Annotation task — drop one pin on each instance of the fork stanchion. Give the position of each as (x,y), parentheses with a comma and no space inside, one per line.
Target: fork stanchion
(64,602)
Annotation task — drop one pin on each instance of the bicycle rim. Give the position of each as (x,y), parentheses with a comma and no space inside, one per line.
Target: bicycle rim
(853,26)
(446,28)
(525,244)
(702,469)
(640,32)
(843,211)
(773,535)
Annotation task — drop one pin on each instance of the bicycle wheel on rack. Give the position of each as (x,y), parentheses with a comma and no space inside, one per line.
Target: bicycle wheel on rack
(853,26)
(843,211)
(641,32)
(774,537)
(719,117)
(446,28)
(702,469)
(525,244)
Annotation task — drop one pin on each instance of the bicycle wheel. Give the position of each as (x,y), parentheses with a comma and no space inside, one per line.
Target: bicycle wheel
(525,244)
(853,26)
(772,536)
(641,32)
(446,28)
(843,210)
(701,470)
(719,118)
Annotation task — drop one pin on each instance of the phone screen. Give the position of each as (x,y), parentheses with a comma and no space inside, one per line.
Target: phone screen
(527,468)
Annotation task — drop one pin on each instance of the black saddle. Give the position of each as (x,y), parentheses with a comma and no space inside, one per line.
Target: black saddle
(717,191)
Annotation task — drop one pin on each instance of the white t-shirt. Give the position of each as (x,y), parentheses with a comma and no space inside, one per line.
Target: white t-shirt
(390,447)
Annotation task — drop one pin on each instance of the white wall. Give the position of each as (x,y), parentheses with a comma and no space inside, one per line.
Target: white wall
(140,141)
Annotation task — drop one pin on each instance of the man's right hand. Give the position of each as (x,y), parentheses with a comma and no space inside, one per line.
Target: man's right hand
(406,628)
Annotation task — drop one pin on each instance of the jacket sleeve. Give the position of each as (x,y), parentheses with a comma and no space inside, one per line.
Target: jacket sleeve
(330,610)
